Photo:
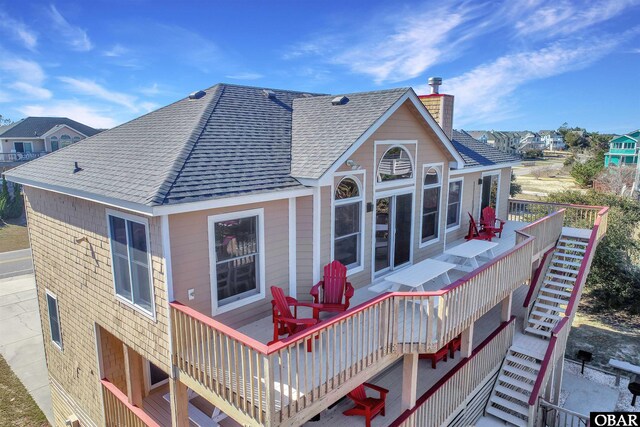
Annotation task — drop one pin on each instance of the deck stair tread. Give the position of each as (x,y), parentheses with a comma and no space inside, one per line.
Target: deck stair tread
(543,323)
(538,332)
(570,248)
(547,315)
(566,255)
(556,292)
(511,419)
(579,233)
(566,263)
(574,242)
(520,372)
(516,383)
(563,270)
(558,284)
(555,308)
(523,362)
(552,299)
(513,393)
(561,277)
(511,405)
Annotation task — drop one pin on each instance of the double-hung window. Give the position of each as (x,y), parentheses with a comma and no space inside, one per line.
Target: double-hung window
(237,259)
(347,225)
(131,260)
(54,319)
(454,203)
(431,205)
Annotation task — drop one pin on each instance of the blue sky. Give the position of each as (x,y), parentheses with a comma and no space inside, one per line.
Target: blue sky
(519,64)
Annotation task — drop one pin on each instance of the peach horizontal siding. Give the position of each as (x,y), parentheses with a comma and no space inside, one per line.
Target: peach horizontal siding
(190,258)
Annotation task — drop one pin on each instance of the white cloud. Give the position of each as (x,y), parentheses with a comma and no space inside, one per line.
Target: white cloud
(563,17)
(19,30)
(486,93)
(22,76)
(245,76)
(32,91)
(116,51)
(73,109)
(151,90)
(94,90)
(74,36)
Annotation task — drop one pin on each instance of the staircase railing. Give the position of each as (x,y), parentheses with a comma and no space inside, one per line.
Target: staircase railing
(536,282)
(440,401)
(578,216)
(242,373)
(550,415)
(546,230)
(119,412)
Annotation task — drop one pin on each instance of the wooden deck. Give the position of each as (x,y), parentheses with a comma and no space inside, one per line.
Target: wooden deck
(262,329)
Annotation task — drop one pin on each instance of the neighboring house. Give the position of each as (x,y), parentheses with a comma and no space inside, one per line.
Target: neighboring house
(154,266)
(33,137)
(530,141)
(623,150)
(552,140)
(507,142)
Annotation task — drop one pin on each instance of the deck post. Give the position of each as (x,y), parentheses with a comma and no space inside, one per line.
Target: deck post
(557,380)
(409,380)
(133,374)
(506,308)
(466,346)
(179,403)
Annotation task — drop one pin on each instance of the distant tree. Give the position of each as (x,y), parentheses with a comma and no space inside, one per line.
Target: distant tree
(585,172)
(599,141)
(15,207)
(5,198)
(4,121)
(514,187)
(576,139)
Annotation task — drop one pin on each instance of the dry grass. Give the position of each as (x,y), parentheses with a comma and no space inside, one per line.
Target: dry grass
(607,336)
(17,408)
(13,236)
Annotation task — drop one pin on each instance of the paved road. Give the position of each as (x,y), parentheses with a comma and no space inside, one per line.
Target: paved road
(15,263)
(21,338)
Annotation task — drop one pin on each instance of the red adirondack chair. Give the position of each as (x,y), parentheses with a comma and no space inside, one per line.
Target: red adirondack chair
(490,222)
(437,356)
(474,233)
(455,345)
(333,292)
(284,321)
(368,407)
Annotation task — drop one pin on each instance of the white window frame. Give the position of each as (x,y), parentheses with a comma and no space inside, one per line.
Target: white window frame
(24,146)
(395,182)
(147,377)
(143,221)
(455,227)
(362,199)
(439,167)
(498,173)
(55,298)
(215,309)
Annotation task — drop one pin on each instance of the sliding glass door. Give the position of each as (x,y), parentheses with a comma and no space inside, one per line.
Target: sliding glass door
(393,232)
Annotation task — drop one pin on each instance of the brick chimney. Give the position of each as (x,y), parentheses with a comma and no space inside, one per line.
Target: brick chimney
(440,106)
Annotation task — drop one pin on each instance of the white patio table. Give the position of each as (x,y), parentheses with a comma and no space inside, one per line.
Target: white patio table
(469,251)
(418,274)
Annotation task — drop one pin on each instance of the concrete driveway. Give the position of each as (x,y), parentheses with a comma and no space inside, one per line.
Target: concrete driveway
(21,338)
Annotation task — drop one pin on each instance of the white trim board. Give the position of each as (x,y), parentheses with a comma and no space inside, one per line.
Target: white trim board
(362,188)
(483,168)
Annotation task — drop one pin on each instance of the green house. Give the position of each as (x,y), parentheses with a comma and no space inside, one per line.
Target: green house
(623,150)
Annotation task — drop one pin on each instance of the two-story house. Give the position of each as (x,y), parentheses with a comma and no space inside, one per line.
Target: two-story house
(623,150)
(552,140)
(154,271)
(33,137)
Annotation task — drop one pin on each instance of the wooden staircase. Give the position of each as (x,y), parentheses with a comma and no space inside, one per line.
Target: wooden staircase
(509,399)
(552,299)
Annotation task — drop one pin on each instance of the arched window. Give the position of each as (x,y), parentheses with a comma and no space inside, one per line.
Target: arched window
(54,143)
(76,139)
(431,204)
(65,140)
(348,223)
(394,165)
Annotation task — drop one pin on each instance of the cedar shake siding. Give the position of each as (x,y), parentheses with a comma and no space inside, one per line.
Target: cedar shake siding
(72,259)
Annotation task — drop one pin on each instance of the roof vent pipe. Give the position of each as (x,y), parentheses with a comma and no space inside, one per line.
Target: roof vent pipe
(339,100)
(197,95)
(76,168)
(269,93)
(435,83)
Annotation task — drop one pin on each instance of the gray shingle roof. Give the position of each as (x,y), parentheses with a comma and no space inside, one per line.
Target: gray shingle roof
(38,126)
(322,132)
(232,141)
(476,153)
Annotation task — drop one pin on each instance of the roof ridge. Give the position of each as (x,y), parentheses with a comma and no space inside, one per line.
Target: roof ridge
(159,196)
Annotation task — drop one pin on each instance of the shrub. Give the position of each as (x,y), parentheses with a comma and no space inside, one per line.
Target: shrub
(514,187)
(584,173)
(14,208)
